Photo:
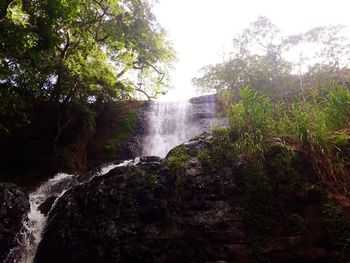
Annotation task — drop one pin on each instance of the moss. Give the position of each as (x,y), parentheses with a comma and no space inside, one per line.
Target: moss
(204,157)
(338,229)
(151,179)
(178,159)
(221,150)
(125,128)
(258,209)
(176,163)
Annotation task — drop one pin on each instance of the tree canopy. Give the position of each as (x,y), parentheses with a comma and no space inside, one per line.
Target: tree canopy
(280,65)
(86,50)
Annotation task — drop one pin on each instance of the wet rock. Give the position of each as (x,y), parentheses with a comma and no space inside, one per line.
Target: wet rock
(203,99)
(46,206)
(14,206)
(145,213)
(203,113)
(150,212)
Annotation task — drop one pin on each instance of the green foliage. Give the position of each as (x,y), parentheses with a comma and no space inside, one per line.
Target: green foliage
(177,160)
(259,59)
(252,118)
(258,213)
(221,149)
(125,128)
(308,121)
(338,228)
(252,114)
(80,50)
(338,108)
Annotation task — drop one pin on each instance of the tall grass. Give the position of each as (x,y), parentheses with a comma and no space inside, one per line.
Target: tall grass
(308,121)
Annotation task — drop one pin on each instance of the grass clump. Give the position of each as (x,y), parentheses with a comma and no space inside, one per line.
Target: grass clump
(308,122)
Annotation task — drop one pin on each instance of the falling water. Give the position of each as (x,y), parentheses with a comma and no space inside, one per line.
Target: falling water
(33,227)
(168,126)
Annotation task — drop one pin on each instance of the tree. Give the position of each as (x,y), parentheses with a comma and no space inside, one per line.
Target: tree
(82,50)
(259,60)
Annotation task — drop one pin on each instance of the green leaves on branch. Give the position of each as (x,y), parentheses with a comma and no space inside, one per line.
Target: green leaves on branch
(277,65)
(80,51)
(93,45)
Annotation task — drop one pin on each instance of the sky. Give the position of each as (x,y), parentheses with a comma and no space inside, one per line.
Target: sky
(202,30)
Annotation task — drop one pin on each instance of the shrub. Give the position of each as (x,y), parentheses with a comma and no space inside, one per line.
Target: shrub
(338,108)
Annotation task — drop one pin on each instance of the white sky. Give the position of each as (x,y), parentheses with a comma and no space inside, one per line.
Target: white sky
(202,29)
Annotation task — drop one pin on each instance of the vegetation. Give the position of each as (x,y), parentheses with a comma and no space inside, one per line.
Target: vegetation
(277,66)
(276,107)
(264,98)
(177,160)
(338,229)
(220,150)
(57,56)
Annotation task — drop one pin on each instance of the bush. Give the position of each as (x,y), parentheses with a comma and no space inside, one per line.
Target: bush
(338,108)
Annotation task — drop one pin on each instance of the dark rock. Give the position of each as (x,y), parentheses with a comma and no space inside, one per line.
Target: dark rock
(132,146)
(147,159)
(14,206)
(46,206)
(203,113)
(152,213)
(203,99)
(144,213)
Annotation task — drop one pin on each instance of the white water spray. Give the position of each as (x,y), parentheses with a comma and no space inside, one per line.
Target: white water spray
(168,127)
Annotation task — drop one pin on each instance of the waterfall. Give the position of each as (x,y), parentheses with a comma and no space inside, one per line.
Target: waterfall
(33,227)
(169,126)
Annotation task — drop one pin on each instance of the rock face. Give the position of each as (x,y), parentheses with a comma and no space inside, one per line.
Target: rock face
(204,113)
(166,210)
(14,206)
(132,146)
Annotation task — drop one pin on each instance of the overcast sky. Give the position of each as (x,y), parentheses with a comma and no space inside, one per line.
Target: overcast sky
(202,29)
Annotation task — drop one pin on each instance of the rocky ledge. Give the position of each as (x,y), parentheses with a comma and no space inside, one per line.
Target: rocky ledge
(179,209)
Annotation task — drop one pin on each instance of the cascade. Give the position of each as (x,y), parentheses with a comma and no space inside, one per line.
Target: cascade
(169,125)
(33,228)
